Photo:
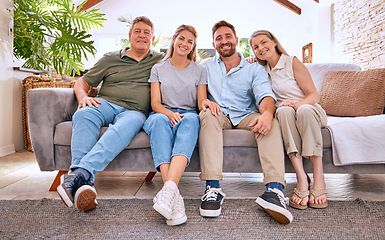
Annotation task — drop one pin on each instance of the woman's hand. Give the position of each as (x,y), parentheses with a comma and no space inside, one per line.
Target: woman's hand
(288,103)
(251,59)
(214,107)
(175,117)
(89,101)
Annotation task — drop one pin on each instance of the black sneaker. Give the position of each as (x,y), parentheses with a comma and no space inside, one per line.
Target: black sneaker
(69,184)
(274,203)
(211,202)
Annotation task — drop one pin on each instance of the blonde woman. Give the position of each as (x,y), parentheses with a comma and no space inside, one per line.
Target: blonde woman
(299,115)
(178,90)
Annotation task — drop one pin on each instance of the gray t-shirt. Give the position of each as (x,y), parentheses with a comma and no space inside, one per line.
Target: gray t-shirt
(179,87)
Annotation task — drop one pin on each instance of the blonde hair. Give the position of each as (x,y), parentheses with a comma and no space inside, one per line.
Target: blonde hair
(193,54)
(268,34)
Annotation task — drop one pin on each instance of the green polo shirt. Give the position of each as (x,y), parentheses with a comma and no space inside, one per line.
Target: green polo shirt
(125,80)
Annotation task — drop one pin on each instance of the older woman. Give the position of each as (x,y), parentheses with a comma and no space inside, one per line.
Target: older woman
(298,113)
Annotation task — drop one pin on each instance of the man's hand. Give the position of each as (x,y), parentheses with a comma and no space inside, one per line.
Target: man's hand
(175,117)
(81,90)
(89,101)
(214,107)
(262,124)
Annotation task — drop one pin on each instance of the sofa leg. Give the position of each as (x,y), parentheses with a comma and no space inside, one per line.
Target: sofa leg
(150,176)
(56,181)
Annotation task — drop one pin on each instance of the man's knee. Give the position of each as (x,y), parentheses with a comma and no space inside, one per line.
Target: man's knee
(83,113)
(205,114)
(207,118)
(275,134)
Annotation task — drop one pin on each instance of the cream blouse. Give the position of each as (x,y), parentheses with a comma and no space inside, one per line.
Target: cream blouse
(283,82)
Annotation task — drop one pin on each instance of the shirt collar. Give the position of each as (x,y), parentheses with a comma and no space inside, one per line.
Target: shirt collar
(281,62)
(241,64)
(124,54)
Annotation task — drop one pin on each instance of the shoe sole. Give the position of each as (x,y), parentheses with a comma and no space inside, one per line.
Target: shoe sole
(85,198)
(210,213)
(274,211)
(64,195)
(164,212)
(178,221)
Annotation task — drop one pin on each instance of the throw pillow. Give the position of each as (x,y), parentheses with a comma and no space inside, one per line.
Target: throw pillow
(353,94)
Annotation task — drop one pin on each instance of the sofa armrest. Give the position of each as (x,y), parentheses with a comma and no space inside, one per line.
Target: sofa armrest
(46,108)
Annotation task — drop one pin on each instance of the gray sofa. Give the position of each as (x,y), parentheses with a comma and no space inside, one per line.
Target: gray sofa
(51,110)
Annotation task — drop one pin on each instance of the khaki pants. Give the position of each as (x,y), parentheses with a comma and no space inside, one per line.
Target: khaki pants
(301,129)
(270,147)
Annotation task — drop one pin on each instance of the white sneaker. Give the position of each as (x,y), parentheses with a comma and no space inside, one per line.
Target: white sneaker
(178,212)
(164,201)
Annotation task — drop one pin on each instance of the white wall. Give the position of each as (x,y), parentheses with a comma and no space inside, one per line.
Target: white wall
(11,136)
(293,31)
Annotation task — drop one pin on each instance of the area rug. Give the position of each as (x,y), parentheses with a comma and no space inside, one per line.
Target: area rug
(135,219)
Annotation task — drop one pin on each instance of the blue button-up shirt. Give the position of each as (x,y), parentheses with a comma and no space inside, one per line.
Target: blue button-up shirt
(239,91)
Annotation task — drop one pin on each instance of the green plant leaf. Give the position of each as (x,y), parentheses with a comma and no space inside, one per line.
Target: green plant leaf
(244,47)
(84,19)
(54,33)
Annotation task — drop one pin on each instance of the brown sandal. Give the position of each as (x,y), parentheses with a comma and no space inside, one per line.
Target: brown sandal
(301,195)
(316,193)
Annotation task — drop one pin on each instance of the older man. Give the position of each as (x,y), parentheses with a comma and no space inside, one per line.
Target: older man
(122,104)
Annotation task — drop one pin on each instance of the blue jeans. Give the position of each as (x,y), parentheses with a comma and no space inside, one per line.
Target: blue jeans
(94,154)
(167,140)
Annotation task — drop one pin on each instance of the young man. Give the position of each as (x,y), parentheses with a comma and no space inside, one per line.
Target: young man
(244,93)
(122,104)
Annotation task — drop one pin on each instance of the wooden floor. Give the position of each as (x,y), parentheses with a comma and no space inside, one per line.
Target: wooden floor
(21,178)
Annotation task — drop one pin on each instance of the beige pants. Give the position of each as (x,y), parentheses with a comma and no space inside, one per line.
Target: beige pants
(270,147)
(301,129)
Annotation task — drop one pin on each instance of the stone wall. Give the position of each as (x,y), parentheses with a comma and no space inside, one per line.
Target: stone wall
(360,32)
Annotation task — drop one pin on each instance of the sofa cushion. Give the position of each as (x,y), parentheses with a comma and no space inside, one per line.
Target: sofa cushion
(63,133)
(353,94)
(319,70)
(231,137)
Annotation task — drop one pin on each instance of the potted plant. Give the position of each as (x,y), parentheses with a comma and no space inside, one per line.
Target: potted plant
(54,34)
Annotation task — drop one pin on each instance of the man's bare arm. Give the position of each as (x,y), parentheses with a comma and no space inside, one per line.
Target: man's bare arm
(81,90)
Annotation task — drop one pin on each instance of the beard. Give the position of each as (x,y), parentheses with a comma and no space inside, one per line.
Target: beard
(228,52)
